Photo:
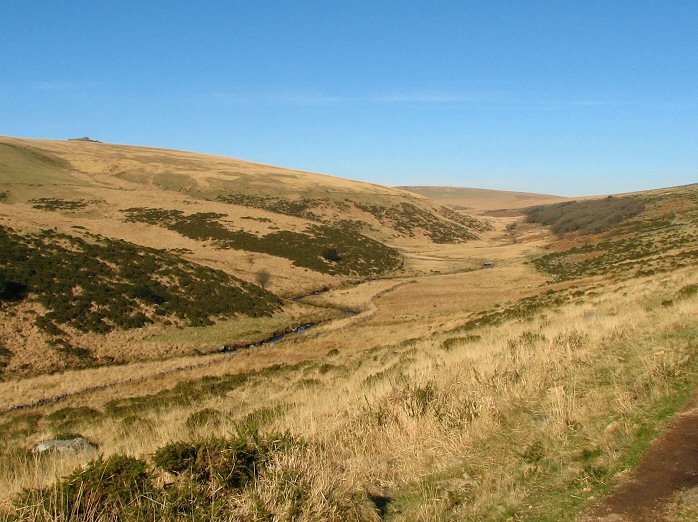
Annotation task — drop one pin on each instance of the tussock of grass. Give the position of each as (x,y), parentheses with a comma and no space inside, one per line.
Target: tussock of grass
(242,477)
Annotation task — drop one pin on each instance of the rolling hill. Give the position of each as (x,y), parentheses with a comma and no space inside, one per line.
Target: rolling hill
(518,375)
(482,199)
(102,242)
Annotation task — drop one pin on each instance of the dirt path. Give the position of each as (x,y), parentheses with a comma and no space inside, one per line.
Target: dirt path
(668,467)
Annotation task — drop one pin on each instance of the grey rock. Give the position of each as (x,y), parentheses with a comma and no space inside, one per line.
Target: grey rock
(78,445)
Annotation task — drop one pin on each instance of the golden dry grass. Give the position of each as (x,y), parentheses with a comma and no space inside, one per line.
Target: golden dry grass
(407,401)
(445,433)
(482,199)
(111,178)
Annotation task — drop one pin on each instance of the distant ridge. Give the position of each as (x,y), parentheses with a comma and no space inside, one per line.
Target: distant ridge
(482,199)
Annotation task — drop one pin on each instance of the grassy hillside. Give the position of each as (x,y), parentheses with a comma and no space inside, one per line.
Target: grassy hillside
(105,246)
(482,199)
(388,213)
(635,235)
(429,388)
(526,391)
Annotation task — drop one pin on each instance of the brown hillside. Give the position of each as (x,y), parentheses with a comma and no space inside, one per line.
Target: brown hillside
(111,251)
(482,199)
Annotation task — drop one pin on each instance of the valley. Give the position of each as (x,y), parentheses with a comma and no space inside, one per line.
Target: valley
(463,365)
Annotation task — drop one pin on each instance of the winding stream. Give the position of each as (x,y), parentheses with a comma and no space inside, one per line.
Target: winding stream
(345,312)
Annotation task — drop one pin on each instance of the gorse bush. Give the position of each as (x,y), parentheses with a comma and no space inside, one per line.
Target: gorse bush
(356,254)
(291,207)
(331,254)
(60,204)
(660,239)
(101,285)
(11,290)
(105,489)
(408,219)
(441,226)
(214,479)
(230,463)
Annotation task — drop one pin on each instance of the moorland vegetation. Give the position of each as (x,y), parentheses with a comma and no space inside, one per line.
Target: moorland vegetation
(530,402)
(358,255)
(96,284)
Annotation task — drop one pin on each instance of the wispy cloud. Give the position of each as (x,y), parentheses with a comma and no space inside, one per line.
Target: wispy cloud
(333,100)
(79,85)
(496,100)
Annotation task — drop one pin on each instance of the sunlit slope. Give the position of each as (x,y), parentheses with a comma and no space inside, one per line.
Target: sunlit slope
(631,235)
(551,369)
(219,210)
(482,199)
(382,211)
(104,248)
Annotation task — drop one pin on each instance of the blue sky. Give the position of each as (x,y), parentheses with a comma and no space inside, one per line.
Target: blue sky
(569,98)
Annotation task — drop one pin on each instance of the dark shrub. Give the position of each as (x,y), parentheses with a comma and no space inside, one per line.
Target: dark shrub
(585,217)
(176,457)
(207,416)
(229,462)
(109,489)
(11,290)
(331,254)
(98,285)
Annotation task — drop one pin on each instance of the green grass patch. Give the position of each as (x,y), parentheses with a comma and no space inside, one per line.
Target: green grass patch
(22,164)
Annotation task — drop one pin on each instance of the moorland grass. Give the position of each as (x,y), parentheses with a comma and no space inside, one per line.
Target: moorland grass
(660,239)
(543,410)
(586,217)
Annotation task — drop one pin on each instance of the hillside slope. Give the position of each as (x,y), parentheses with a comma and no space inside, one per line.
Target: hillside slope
(104,246)
(523,391)
(482,199)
